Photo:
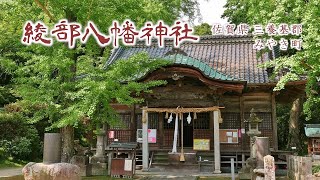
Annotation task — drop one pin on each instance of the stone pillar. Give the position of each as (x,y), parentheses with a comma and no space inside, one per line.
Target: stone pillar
(99,156)
(52,148)
(216,137)
(262,145)
(100,145)
(98,162)
(145,145)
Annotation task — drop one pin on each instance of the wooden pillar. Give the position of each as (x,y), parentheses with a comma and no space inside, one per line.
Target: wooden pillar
(133,127)
(274,122)
(216,137)
(211,130)
(161,133)
(243,126)
(145,145)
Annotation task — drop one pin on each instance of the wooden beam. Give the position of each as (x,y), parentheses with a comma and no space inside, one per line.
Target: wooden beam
(133,124)
(243,136)
(274,122)
(145,145)
(182,110)
(161,132)
(189,72)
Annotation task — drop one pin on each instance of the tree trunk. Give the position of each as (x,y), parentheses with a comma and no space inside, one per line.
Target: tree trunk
(294,129)
(67,134)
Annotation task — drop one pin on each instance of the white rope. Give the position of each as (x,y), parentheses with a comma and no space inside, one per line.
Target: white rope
(175,137)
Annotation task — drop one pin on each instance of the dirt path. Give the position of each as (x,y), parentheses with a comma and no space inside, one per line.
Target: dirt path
(9,172)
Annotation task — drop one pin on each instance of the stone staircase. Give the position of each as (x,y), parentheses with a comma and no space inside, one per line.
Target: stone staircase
(160,158)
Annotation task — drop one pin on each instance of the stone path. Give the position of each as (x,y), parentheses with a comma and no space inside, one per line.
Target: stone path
(161,177)
(9,172)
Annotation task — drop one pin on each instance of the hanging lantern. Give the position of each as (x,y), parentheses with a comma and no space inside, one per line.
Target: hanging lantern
(194,115)
(170,118)
(189,118)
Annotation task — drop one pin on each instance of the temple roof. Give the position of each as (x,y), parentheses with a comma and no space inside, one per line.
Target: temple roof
(219,57)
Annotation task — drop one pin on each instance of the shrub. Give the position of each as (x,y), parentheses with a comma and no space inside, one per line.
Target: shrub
(19,139)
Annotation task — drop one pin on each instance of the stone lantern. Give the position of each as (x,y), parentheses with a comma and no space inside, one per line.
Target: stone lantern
(247,171)
(253,121)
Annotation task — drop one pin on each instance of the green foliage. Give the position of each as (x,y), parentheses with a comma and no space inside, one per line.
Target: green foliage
(283,115)
(19,140)
(64,85)
(315,169)
(296,64)
(5,96)
(202,29)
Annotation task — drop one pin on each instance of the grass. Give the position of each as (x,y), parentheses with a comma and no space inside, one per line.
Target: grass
(10,164)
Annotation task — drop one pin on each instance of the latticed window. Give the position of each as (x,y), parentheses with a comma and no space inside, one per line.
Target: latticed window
(231,120)
(153,121)
(125,122)
(202,121)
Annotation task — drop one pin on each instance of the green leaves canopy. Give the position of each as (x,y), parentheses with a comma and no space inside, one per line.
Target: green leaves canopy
(65,86)
(300,63)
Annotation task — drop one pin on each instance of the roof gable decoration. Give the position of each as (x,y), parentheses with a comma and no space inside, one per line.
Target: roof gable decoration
(203,67)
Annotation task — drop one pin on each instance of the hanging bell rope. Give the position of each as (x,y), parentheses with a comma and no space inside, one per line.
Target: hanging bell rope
(194,115)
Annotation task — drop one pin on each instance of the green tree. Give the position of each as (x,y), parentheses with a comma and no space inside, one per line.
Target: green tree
(296,64)
(65,85)
(202,29)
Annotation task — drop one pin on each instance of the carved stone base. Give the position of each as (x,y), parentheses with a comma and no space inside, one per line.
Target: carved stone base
(83,163)
(99,169)
(96,159)
(216,172)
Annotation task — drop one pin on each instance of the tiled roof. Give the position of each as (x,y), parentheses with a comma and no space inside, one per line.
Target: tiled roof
(230,56)
(203,67)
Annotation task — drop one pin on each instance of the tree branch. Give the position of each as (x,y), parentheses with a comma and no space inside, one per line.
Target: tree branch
(46,11)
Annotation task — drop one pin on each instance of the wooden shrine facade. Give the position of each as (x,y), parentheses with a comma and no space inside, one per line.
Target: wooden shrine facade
(214,72)
(190,91)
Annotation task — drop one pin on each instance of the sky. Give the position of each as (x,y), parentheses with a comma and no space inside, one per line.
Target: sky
(211,11)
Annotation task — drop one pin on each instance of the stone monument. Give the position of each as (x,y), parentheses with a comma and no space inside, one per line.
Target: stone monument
(247,171)
(99,161)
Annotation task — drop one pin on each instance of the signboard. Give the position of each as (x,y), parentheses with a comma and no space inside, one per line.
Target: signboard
(152,135)
(201,144)
(229,136)
(111,134)
(128,165)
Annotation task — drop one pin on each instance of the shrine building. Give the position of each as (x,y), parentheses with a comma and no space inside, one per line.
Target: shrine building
(213,85)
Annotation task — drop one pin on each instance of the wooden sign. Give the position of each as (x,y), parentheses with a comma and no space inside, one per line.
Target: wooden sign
(201,144)
(128,165)
(229,136)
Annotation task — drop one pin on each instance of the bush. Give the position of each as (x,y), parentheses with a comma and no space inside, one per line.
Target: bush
(19,140)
